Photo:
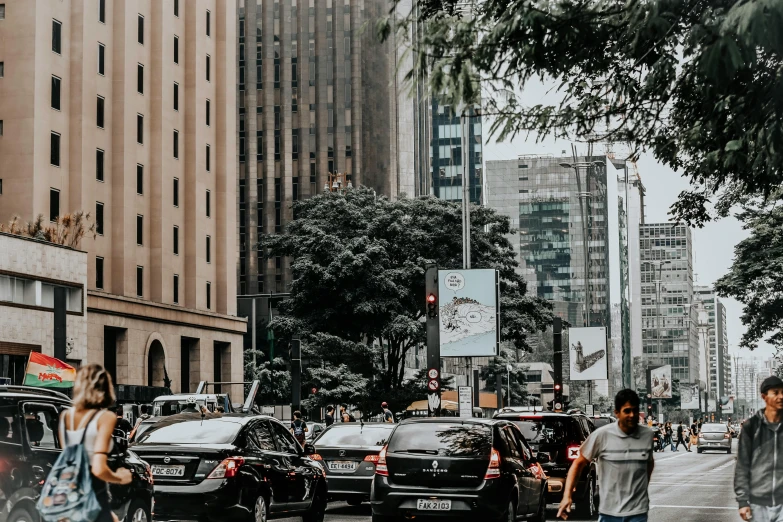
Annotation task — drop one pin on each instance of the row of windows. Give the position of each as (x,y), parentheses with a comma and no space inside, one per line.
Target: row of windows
(99,282)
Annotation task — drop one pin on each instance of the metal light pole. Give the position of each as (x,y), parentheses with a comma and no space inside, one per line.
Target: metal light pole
(508,382)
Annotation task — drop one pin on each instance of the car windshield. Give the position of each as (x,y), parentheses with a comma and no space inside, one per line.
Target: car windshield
(714,428)
(174,406)
(540,430)
(197,431)
(444,439)
(356,436)
(601,421)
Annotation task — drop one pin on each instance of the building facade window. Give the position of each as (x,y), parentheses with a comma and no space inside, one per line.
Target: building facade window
(141,29)
(139,230)
(102,11)
(140,129)
(56,89)
(101,59)
(209,204)
(57,36)
(176,96)
(2,69)
(176,240)
(176,289)
(176,8)
(208,65)
(54,204)
(140,281)
(209,249)
(209,295)
(99,218)
(176,49)
(99,160)
(207,157)
(99,273)
(2,11)
(208,110)
(175,145)
(140,78)
(139,178)
(176,192)
(99,112)
(54,150)
(209,23)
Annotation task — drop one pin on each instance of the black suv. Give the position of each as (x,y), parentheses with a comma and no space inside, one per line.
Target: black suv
(555,439)
(457,468)
(29,447)
(230,467)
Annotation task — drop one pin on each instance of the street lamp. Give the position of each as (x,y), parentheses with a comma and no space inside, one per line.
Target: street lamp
(508,378)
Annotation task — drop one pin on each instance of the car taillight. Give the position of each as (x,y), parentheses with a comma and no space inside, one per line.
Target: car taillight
(372,458)
(380,466)
(227,469)
(493,470)
(572,452)
(316,456)
(537,470)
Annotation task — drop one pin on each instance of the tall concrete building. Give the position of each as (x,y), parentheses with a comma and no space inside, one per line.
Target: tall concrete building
(128,110)
(317,95)
(718,363)
(669,319)
(546,204)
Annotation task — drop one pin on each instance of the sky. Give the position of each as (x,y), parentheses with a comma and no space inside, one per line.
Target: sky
(713,245)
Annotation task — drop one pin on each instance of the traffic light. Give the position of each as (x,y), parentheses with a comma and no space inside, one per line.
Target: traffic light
(432,306)
(550,405)
(558,401)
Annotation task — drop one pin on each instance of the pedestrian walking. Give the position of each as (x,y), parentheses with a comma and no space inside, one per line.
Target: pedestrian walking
(329,416)
(388,416)
(87,423)
(299,428)
(123,424)
(681,438)
(757,481)
(622,452)
(144,409)
(669,435)
(345,415)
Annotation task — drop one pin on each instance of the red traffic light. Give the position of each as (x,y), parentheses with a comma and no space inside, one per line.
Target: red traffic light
(557,387)
(431,298)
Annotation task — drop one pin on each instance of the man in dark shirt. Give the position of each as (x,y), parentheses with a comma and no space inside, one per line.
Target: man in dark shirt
(329,415)
(122,423)
(388,416)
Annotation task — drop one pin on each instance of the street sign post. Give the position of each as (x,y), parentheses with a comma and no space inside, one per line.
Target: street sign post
(465,394)
(589,410)
(431,305)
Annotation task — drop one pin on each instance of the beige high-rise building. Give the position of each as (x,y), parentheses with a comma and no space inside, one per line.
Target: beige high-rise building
(127,109)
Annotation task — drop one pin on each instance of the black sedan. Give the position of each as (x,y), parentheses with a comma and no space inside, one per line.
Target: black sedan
(479,469)
(234,467)
(349,452)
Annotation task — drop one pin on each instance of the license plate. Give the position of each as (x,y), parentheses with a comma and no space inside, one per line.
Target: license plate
(428,504)
(168,471)
(341,466)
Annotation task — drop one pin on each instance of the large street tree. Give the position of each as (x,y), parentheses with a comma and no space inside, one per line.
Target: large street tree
(357,294)
(756,277)
(699,83)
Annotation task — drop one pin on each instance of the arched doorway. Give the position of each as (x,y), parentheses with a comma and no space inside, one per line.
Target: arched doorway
(156,362)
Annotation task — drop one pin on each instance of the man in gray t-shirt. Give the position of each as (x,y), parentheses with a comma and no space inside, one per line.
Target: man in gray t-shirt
(623,453)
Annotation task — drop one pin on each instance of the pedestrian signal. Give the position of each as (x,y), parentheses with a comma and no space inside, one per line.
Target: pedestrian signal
(432,306)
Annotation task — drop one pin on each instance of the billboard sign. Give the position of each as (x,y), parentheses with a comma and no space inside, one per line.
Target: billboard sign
(465,394)
(588,353)
(469,313)
(729,406)
(689,396)
(661,382)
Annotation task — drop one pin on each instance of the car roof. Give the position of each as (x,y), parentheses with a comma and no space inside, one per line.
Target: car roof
(543,414)
(452,420)
(186,395)
(241,418)
(345,425)
(30,392)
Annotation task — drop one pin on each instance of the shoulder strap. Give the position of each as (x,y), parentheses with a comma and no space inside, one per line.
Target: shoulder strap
(90,419)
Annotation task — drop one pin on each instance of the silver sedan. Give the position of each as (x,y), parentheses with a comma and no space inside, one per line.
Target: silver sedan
(714,436)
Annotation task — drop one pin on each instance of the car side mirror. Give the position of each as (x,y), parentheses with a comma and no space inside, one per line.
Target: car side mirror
(543,457)
(309,449)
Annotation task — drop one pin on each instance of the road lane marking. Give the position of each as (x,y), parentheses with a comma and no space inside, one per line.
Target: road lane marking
(694,507)
(671,458)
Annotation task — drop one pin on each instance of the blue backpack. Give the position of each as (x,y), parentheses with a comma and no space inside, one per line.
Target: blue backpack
(67,493)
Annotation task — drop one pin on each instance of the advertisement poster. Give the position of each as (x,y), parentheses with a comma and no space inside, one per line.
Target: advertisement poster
(469,313)
(661,382)
(689,396)
(588,353)
(729,406)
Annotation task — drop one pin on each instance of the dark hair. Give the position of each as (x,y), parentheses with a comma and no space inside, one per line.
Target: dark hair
(144,409)
(330,408)
(624,397)
(297,414)
(344,406)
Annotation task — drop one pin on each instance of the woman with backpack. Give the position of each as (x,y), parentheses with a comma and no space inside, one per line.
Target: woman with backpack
(90,423)
(299,428)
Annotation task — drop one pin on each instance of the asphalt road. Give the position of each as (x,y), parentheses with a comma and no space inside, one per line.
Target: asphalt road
(685,487)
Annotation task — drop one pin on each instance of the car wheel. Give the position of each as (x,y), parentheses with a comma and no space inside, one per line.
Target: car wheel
(511,513)
(698,450)
(260,510)
(21,514)
(139,511)
(318,507)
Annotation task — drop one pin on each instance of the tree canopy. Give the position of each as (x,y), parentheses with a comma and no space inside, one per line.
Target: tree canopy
(755,278)
(699,83)
(357,292)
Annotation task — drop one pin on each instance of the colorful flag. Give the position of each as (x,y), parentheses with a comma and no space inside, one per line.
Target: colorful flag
(47,372)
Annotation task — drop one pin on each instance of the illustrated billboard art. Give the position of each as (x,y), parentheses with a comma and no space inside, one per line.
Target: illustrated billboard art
(588,353)
(689,396)
(661,381)
(469,313)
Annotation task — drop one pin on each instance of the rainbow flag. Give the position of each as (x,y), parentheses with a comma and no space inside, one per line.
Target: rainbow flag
(47,372)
